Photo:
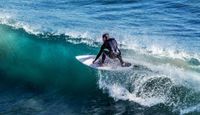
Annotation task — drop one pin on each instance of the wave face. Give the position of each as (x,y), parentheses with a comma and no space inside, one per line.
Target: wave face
(40,39)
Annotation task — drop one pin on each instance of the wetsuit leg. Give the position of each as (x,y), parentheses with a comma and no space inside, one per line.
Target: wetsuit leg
(104,54)
(120,58)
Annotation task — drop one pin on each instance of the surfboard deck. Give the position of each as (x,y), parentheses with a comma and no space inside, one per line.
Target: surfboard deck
(109,64)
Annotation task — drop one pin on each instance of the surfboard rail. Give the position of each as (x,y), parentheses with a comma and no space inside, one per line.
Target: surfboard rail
(109,65)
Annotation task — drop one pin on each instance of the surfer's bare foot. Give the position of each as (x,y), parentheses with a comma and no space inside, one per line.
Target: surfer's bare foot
(123,64)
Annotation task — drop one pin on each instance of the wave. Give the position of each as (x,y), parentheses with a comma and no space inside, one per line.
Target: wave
(186,59)
(130,43)
(8,20)
(167,76)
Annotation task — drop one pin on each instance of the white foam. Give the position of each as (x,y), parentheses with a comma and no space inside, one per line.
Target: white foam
(195,108)
(116,85)
(9,20)
(180,76)
(119,92)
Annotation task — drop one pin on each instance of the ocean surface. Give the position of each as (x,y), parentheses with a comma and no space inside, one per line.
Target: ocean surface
(39,40)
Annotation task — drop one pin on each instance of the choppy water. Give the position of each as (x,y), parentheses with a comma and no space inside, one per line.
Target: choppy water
(40,39)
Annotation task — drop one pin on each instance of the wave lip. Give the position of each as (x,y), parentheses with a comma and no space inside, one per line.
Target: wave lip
(8,20)
(192,60)
(127,41)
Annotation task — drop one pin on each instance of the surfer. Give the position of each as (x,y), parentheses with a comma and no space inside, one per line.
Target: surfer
(110,49)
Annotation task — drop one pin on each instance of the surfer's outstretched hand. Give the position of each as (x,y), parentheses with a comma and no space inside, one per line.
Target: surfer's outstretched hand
(93,62)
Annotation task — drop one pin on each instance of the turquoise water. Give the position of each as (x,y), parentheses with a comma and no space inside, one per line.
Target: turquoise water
(40,39)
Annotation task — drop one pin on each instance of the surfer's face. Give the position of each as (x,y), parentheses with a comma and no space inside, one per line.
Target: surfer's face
(105,38)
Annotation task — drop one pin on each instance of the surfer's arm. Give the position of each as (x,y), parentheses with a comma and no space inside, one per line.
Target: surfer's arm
(100,52)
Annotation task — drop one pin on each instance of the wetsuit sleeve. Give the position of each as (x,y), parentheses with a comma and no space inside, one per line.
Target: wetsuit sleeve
(100,52)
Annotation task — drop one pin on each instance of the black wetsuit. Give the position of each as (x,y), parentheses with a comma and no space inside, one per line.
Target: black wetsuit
(110,49)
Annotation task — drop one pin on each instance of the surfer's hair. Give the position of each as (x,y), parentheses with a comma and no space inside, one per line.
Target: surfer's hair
(105,35)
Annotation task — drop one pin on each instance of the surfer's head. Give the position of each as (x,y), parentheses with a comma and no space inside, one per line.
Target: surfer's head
(105,37)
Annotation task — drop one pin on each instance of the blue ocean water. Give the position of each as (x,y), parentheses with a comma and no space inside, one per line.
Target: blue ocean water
(40,39)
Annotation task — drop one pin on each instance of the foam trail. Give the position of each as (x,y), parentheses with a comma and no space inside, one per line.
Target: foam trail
(121,86)
(150,84)
(180,76)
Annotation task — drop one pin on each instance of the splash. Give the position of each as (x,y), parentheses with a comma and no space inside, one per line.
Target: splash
(150,85)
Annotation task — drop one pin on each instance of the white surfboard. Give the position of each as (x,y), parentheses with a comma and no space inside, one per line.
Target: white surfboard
(109,64)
